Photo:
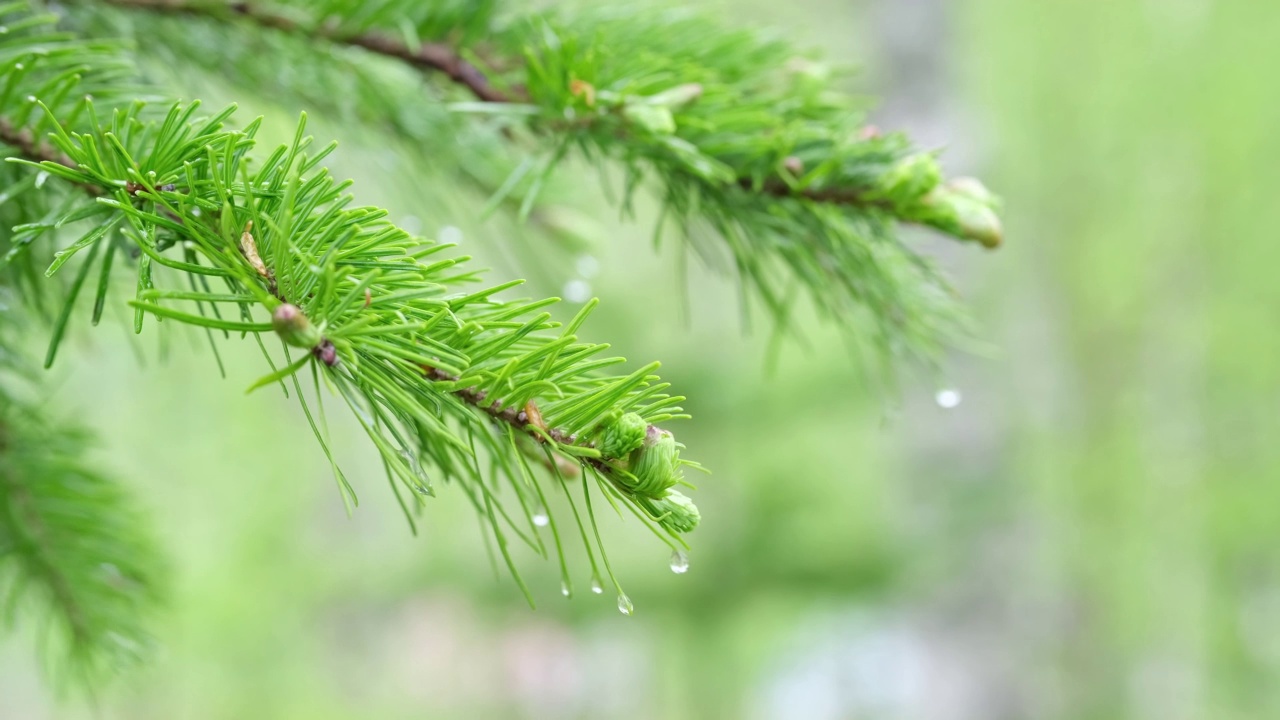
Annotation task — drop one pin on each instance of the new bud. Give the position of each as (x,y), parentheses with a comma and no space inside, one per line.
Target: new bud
(656,464)
(621,434)
(910,179)
(294,328)
(676,512)
(965,208)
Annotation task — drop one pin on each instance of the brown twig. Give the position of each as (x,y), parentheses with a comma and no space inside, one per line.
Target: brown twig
(439,57)
(23,140)
(836,196)
(515,417)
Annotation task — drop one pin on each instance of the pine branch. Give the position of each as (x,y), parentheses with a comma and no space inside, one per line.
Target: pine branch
(443,58)
(426,365)
(745,136)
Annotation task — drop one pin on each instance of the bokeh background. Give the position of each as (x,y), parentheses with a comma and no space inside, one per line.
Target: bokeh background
(1093,532)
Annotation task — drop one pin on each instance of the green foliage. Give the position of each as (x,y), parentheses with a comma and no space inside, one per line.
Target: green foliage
(430,368)
(453,381)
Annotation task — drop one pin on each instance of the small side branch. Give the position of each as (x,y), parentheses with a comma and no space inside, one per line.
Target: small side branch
(28,149)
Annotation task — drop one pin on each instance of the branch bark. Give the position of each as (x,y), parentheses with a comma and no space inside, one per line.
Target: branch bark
(438,57)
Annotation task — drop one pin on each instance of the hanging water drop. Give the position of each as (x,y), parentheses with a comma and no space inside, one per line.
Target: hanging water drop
(679,562)
(596,587)
(624,604)
(421,484)
(947,398)
(540,518)
(564,588)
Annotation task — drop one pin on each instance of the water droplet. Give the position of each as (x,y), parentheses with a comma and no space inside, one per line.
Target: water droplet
(450,235)
(423,485)
(564,588)
(624,604)
(679,562)
(577,291)
(41,178)
(596,587)
(947,398)
(587,266)
(541,519)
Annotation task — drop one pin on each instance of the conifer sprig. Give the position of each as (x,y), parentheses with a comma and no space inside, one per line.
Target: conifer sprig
(234,242)
(743,138)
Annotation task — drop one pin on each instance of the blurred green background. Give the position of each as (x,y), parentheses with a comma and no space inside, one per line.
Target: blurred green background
(1093,532)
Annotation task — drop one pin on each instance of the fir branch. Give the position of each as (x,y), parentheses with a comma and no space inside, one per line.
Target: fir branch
(443,58)
(745,136)
(516,417)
